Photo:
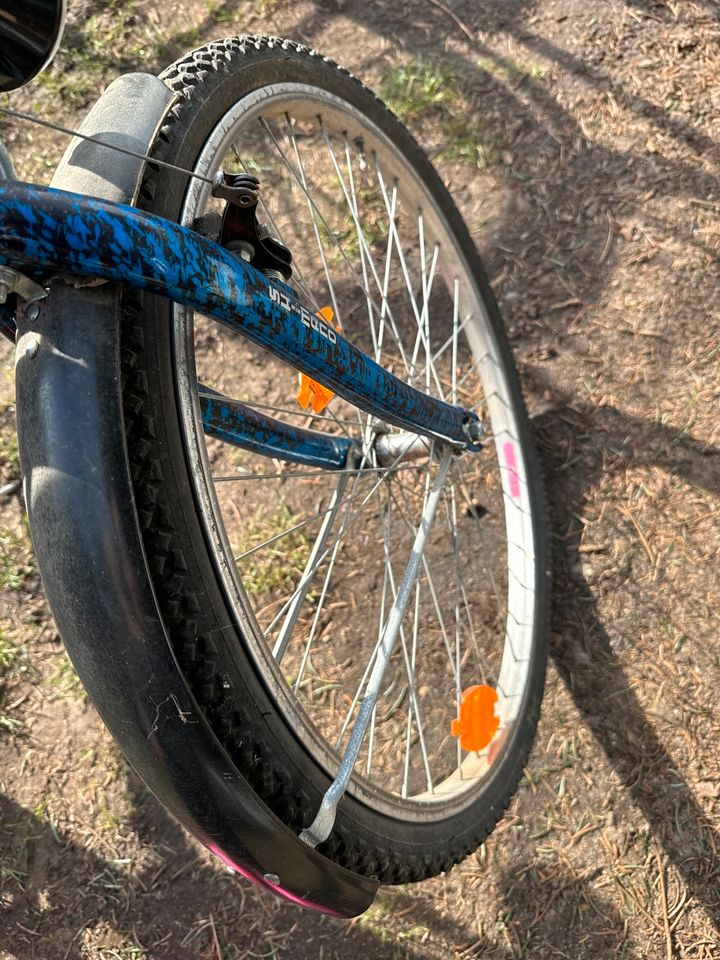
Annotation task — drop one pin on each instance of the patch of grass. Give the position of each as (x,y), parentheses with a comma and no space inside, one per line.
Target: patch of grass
(74,89)
(7,722)
(423,90)
(226,11)
(189,38)
(106,819)
(342,234)
(42,809)
(677,637)
(9,455)
(377,921)
(8,651)
(106,941)
(65,680)
(89,45)
(109,801)
(472,145)
(120,953)
(13,663)
(221,12)
(415,88)
(181,42)
(15,559)
(512,70)
(262,7)
(278,564)
(18,877)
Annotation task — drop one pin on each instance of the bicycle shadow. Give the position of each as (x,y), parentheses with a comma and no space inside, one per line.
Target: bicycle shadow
(586,656)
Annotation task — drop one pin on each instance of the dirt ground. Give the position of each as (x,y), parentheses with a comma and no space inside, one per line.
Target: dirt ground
(587,149)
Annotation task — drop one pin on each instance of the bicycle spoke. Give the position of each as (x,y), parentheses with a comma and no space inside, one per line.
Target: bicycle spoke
(323,823)
(426,569)
(316,229)
(293,613)
(385,524)
(310,570)
(409,725)
(310,474)
(371,263)
(412,701)
(381,625)
(500,612)
(427,277)
(279,536)
(403,644)
(386,274)
(456,611)
(404,269)
(358,230)
(346,523)
(451,513)
(320,219)
(318,610)
(451,340)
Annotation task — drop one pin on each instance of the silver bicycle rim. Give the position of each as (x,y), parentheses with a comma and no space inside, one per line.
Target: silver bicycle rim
(455,788)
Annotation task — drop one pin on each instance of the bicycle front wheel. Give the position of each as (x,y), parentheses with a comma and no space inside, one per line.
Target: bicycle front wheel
(276,581)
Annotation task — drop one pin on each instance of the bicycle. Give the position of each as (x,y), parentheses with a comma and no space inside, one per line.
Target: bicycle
(320,720)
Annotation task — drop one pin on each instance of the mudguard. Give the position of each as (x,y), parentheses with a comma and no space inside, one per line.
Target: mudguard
(85,532)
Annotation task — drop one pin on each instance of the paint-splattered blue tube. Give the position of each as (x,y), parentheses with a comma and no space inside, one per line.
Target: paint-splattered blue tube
(51,230)
(236,423)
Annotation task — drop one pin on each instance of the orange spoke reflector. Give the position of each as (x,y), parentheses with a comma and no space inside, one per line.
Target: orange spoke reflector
(311,393)
(476,723)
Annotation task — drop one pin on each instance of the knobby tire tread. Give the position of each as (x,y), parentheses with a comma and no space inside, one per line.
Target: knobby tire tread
(239,717)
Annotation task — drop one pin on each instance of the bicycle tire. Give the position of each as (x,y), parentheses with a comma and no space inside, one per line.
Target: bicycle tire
(213,646)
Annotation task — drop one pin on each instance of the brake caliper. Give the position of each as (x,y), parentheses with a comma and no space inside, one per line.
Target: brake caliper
(242,233)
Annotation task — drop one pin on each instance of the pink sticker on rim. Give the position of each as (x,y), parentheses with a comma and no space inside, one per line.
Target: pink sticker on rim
(511,464)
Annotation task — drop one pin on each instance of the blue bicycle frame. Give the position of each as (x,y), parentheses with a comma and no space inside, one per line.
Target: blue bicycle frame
(45,232)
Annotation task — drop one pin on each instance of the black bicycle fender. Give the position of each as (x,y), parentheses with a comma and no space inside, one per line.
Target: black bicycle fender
(85,531)
(127,115)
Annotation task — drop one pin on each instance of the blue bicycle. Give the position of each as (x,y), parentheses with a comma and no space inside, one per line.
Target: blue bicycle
(279,473)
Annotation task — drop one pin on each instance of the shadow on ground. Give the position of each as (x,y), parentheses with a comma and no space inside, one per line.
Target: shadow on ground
(583,652)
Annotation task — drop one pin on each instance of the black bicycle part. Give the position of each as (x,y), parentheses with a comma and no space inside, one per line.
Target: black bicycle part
(240,230)
(30,33)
